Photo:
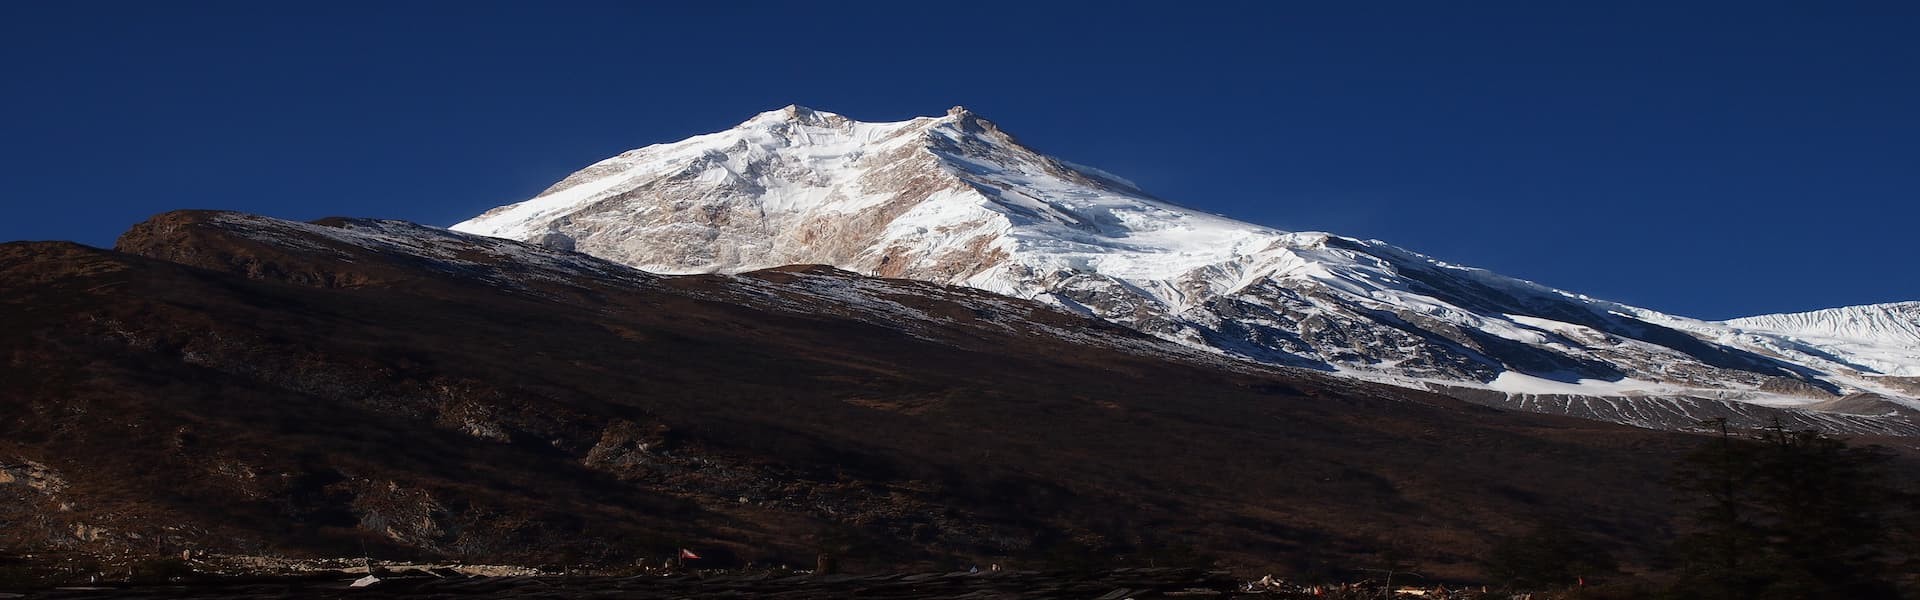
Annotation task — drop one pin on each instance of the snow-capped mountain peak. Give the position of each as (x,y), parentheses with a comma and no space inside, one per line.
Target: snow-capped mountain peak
(800,177)
(955,199)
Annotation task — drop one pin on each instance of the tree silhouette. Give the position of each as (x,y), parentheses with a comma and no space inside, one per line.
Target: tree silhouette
(1788,514)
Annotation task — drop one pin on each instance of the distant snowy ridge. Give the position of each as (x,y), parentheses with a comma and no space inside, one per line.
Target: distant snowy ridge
(1891,324)
(1877,339)
(954,199)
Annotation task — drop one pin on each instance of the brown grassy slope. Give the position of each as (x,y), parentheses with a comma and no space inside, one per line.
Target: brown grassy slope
(288,400)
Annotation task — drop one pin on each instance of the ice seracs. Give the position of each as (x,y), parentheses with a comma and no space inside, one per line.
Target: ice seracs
(956,199)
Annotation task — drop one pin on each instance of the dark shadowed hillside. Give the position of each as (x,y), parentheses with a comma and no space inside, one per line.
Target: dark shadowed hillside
(244,384)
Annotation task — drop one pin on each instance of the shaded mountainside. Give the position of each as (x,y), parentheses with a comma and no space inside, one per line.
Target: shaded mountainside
(239,383)
(955,199)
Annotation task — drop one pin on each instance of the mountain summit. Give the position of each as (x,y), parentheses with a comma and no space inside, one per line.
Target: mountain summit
(955,199)
(952,199)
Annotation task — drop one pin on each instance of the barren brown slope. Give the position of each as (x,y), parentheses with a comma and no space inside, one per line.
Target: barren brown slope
(275,386)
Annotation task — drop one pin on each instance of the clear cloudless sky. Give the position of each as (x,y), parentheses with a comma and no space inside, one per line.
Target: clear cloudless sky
(1706,159)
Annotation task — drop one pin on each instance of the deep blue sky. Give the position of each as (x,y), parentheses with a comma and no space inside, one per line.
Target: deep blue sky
(1712,160)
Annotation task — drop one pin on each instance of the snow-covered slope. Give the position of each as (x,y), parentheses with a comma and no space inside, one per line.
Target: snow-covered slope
(1875,339)
(953,199)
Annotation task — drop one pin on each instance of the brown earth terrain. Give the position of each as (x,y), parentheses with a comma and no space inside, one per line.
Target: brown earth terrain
(238,384)
(984,585)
